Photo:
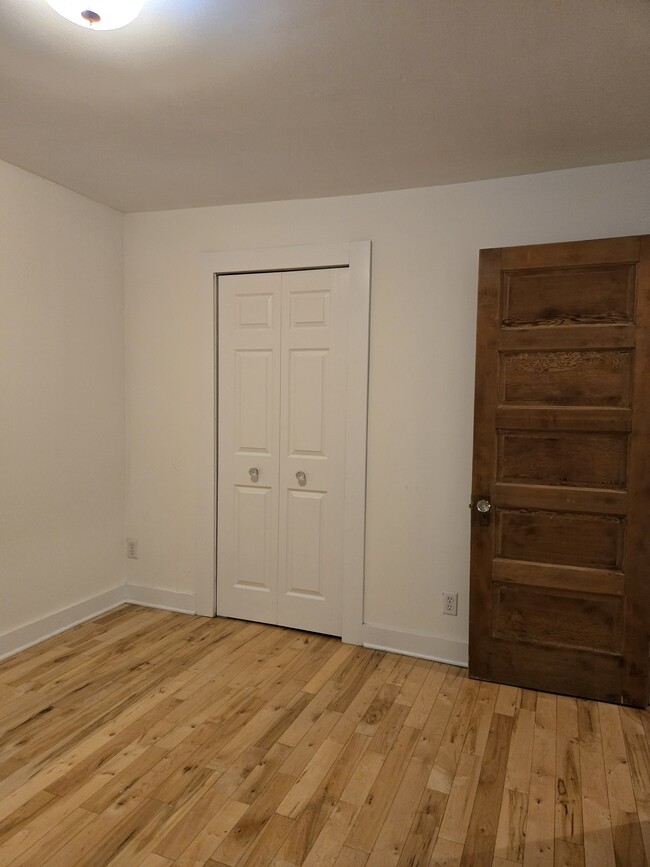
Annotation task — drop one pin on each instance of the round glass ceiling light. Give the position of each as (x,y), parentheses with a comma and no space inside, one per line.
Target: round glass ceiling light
(98,14)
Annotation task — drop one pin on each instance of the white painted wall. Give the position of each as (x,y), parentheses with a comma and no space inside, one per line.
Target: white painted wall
(425,245)
(62,430)
(62,316)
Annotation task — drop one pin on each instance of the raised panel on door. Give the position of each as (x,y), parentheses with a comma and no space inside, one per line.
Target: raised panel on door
(582,458)
(253,563)
(304,564)
(564,378)
(563,296)
(253,401)
(558,597)
(249,314)
(312,443)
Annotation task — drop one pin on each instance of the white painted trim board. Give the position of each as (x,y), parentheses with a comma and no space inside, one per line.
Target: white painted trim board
(418,644)
(29,634)
(52,624)
(371,635)
(157,597)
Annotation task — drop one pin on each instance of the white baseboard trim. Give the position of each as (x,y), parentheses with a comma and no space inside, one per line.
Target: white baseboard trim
(415,644)
(156,597)
(39,630)
(373,635)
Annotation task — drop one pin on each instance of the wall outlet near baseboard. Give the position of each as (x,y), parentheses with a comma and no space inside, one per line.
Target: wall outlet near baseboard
(450,603)
(132,549)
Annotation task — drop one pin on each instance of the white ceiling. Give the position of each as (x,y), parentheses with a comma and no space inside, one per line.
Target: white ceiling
(204,102)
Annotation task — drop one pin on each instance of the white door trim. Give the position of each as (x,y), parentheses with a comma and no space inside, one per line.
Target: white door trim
(356,256)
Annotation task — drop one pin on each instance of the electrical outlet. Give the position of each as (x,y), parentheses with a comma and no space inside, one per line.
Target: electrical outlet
(450,603)
(132,549)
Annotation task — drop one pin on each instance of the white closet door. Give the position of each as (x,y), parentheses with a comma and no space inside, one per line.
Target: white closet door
(282,432)
(312,442)
(248,441)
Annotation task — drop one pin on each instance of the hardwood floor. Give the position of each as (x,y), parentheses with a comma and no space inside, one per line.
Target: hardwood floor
(150,738)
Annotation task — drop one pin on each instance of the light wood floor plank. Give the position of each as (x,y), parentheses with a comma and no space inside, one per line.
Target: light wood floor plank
(382,792)
(423,702)
(211,836)
(511,833)
(329,843)
(349,858)
(412,679)
(448,755)
(358,705)
(391,839)
(436,724)
(423,833)
(626,829)
(329,669)
(252,822)
(446,854)
(317,811)
(539,850)
(596,817)
(146,738)
(569,837)
(638,754)
(480,842)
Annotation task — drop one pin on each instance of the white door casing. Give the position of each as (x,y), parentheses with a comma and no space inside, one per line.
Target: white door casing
(355,256)
(281,514)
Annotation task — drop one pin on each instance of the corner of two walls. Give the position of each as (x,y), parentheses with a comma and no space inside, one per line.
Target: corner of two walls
(63,456)
(63,442)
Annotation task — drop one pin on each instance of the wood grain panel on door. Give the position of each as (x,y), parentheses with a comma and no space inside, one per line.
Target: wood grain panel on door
(582,378)
(559,569)
(580,458)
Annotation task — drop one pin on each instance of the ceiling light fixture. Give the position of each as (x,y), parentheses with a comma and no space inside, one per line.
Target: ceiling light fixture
(98,14)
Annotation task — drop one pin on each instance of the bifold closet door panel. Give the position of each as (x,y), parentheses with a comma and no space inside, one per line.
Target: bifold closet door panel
(249,333)
(312,449)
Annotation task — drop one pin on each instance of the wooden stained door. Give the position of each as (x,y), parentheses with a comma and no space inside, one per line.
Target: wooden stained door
(560,564)
(282,447)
